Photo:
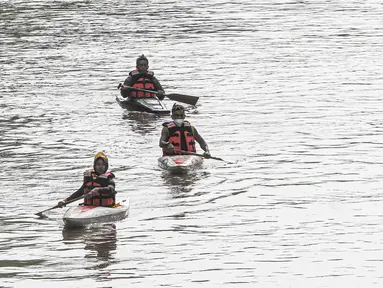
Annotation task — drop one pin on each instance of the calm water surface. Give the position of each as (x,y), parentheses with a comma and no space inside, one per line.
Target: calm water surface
(290,96)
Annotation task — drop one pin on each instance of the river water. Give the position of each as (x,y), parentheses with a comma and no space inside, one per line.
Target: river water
(290,97)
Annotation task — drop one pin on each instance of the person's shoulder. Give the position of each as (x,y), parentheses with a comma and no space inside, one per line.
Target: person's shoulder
(167,124)
(133,73)
(111,175)
(194,130)
(88,173)
(129,78)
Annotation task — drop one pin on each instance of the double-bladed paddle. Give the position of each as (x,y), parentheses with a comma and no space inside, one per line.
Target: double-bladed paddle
(192,100)
(41,215)
(196,154)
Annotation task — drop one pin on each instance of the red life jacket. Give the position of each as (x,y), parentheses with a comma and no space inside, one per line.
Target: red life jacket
(142,82)
(92,180)
(181,137)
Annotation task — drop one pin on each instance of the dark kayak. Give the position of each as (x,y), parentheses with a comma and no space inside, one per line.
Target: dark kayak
(147,104)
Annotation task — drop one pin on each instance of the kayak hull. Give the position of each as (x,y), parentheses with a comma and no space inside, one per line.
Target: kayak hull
(180,163)
(147,104)
(81,215)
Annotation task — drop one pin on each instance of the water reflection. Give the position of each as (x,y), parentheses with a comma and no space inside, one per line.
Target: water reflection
(143,122)
(181,185)
(100,240)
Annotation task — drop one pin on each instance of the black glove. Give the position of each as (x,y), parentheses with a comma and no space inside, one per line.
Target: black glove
(61,204)
(170,148)
(206,154)
(161,94)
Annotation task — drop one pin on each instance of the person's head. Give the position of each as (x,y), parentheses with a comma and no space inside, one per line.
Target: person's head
(100,164)
(178,114)
(142,64)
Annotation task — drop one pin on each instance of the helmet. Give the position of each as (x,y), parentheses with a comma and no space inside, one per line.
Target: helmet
(177,107)
(103,156)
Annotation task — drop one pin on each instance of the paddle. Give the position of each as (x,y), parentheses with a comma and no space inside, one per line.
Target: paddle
(196,154)
(41,215)
(192,100)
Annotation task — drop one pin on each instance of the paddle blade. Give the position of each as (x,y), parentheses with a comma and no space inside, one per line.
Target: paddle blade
(215,158)
(192,100)
(41,215)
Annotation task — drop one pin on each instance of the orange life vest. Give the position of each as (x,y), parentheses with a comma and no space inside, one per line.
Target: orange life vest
(92,180)
(142,82)
(182,137)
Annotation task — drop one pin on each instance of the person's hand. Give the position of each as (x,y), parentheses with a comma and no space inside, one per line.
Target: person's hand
(88,195)
(125,91)
(161,94)
(96,190)
(170,148)
(91,193)
(61,204)
(206,154)
(119,86)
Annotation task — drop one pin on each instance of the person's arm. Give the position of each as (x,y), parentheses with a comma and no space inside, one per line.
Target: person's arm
(76,194)
(157,85)
(158,88)
(164,141)
(128,81)
(125,92)
(106,190)
(200,140)
(164,137)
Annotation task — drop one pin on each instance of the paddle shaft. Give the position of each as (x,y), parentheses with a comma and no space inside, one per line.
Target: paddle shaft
(58,206)
(143,90)
(192,100)
(196,154)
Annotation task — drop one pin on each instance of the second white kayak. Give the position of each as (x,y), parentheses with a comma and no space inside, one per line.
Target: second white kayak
(180,163)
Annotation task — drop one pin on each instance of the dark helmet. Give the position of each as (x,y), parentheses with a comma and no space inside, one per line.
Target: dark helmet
(142,57)
(177,107)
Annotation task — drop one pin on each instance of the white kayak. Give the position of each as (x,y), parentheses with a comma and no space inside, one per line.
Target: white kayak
(180,163)
(83,215)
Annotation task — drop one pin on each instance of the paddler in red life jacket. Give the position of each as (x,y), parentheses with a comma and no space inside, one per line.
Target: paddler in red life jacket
(142,78)
(179,134)
(98,185)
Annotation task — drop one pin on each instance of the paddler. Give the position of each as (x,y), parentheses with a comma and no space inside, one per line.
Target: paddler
(98,185)
(142,78)
(179,134)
